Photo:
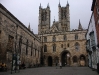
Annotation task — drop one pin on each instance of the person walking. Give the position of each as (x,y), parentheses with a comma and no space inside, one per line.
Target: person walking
(56,65)
(60,64)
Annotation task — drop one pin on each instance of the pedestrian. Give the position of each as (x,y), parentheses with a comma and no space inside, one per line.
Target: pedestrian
(56,65)
(60,64)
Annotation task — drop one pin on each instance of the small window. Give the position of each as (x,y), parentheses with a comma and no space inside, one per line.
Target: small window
(54,47)
(54,38)
(98,21)
(61,45)
(45,39)
(68,45)
(77,46)
(76,37)
(64,37)
(45,48)
(97,10)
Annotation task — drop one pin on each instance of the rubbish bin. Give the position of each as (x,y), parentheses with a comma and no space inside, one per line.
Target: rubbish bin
(98,68)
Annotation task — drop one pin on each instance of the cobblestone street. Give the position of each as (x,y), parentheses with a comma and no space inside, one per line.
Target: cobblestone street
(54,71)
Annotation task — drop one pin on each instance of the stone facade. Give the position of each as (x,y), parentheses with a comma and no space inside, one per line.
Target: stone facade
(59,44)
(16,38)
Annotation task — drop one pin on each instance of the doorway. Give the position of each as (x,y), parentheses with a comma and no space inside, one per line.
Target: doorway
(49,61)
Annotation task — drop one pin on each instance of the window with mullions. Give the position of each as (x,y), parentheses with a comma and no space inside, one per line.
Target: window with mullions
(45,48)
(45,39)
(92,38)
(77,46)
(76,36)
(64,37)
(54,38)
(54,47)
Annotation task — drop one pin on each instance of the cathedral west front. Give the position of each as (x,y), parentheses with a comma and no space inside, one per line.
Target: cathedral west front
(59,43)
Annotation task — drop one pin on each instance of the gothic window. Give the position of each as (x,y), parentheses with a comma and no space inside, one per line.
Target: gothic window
(27,47)
(65,38)
(76,36)
(77,46)
(44,16)
(45,39)
(35,52)
(45,48)
(54,38)
(61,14)
(31,49)
(74,59)
(54,47)
(10,43)
(20,43)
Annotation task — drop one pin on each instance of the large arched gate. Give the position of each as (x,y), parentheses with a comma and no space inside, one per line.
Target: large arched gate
(65,58)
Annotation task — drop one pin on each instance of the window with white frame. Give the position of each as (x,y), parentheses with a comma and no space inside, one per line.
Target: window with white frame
(92,38)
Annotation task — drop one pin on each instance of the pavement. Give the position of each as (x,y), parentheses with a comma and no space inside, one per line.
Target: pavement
(54,71)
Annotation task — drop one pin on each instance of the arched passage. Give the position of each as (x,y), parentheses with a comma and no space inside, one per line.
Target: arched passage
(65,58)
(49,61)
(82,60)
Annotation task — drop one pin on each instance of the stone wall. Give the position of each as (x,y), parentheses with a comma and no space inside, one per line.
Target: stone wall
(15,38)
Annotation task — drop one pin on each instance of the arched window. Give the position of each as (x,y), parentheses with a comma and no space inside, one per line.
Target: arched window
(27,48)
(64,37)
(20,43)
(54,38)
(31,48)
(54,47)
(77,46)
(76,36)
(45,48)
(74,59)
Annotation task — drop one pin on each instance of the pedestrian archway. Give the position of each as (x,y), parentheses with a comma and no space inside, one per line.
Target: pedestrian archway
(82,60)
(49,61)
(65,58)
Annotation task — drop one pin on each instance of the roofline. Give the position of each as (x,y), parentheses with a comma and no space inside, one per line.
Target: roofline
(93,4)
(2,7)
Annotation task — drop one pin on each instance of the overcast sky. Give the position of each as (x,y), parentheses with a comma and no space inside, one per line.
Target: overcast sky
(27,11)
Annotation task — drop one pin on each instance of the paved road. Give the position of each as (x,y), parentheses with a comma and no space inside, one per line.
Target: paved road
(54,71)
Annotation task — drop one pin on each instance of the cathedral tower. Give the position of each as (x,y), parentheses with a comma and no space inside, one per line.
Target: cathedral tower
(64,18)
(44,19)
